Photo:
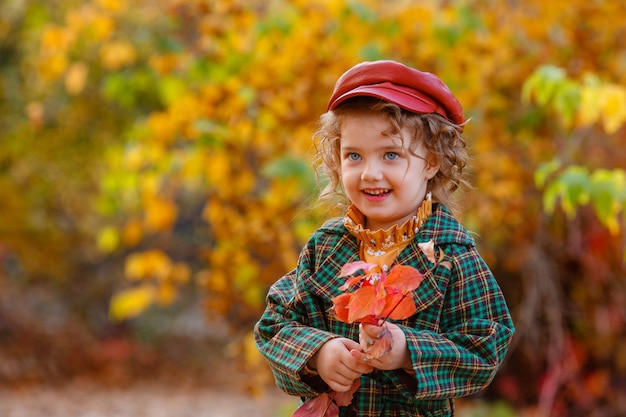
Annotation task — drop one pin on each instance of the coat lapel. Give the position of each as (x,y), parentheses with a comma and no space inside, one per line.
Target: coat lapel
(325,280)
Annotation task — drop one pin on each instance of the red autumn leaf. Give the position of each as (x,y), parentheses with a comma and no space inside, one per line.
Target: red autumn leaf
(382,345)
(345,398)
(366,301)
(340,306)
(404,278)
(383,299)
(398,307)
(351,282)
(327,404)
(375,320)
(352,267)
(316,407)
(333,410)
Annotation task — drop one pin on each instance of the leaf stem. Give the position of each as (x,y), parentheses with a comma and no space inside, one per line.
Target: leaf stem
(396,306)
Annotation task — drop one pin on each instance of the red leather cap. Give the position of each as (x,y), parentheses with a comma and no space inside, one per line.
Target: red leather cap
(413,90)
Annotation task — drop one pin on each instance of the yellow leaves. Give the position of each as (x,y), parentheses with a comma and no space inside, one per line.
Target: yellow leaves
(180,273)
(101,27)
(132,233)
(52,66)
(177,122)
(56,39)
(148,264)
(134,157)
(111,5)
(132,302)
(213,212)
(605,103)
(244,279)
(218,168)
(76,78)
(171,90)
(184,109)
(81,24)
(162,128)
(160,278)
(108,239)
(164,64)
(87,22)
(84,24)
(212,111)
(117,54)
(155,264)
(160,213)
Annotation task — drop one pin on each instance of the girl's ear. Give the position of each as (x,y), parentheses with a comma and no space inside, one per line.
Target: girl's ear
(432,168)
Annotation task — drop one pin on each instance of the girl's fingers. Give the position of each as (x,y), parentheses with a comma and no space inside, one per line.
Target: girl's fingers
(363,363)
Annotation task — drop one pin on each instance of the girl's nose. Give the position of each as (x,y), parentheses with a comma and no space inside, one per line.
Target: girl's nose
(372,172)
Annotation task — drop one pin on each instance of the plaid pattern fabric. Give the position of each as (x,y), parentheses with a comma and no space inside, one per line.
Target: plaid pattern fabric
(457,338)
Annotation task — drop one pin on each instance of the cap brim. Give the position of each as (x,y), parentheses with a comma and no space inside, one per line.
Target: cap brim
(405,97)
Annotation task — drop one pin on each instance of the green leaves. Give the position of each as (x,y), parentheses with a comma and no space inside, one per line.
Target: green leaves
(572,186)
(551,88)
(579,104)
(608,196)
(575,186)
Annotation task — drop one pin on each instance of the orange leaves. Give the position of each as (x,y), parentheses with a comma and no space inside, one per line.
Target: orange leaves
(327,404)
(379,296)
(404,279)
(160,213)
(378,347)
(320,406)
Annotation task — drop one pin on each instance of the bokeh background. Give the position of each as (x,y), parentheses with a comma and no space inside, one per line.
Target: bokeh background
(155,179)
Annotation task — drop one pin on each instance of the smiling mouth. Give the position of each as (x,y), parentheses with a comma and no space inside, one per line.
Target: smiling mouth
(377,192)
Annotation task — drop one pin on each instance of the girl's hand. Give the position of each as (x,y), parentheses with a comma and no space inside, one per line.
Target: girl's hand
(337,367)
(398,357)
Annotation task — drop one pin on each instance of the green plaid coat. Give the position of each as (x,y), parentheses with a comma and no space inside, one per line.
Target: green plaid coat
(457,339)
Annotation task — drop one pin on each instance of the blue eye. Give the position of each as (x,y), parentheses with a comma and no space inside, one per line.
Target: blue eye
(391,156)
(353,156)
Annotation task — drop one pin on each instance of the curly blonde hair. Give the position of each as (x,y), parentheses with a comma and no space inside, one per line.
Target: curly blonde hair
(441,138)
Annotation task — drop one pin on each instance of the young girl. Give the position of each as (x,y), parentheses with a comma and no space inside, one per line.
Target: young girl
(391,142)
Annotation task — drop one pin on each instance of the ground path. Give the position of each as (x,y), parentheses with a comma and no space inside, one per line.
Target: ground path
(143,399)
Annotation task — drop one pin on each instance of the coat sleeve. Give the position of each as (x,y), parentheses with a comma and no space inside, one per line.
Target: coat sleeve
(285,334)
(475,330)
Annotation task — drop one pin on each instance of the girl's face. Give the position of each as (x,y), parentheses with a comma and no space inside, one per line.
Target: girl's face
(379,175)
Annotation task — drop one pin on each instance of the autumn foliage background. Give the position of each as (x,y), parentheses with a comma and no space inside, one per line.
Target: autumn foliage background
(155,177)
